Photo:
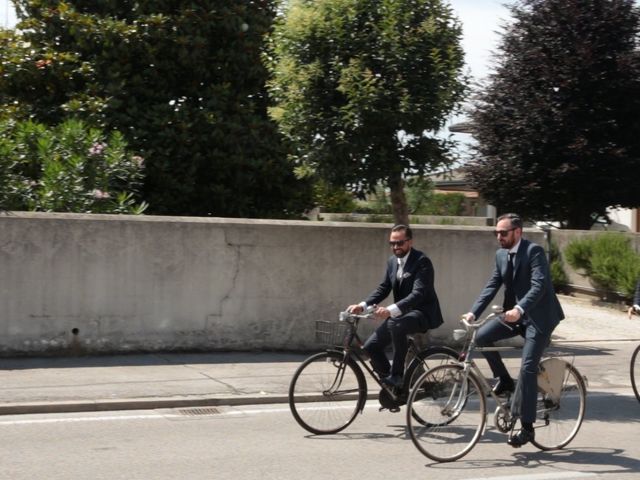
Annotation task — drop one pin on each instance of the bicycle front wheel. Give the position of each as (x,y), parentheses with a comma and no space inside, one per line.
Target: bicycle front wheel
(562,398)
(452,410)
(327,392)
(635,371)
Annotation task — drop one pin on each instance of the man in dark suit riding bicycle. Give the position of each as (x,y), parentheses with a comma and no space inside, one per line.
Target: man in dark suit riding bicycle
(531,310)
(410,276)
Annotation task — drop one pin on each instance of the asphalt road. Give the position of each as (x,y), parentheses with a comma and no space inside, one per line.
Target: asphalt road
(263,441)
(247,442)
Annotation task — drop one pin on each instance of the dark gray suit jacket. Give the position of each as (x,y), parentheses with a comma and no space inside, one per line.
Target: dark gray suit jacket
(414,292)
(532,285)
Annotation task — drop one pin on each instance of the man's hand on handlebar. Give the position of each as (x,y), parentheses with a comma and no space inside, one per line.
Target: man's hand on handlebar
(357,308)
(633,310)
(512,316)
(381,313)
(469,317)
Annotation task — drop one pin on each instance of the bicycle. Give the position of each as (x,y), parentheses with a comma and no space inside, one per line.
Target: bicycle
(634,368)
(334,381)
(447,407)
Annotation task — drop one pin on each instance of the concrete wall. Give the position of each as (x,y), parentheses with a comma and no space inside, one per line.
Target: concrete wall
(103,284)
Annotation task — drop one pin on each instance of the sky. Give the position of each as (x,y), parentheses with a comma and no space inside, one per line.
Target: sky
(481,20)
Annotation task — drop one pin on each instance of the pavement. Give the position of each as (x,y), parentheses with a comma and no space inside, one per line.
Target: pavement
(175,380)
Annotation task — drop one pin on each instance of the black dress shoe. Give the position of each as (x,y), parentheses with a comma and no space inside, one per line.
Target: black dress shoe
(521,438)
(504,386)
(393,381)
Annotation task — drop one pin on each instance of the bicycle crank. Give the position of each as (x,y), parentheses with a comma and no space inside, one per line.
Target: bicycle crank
(502,419)
(388,401)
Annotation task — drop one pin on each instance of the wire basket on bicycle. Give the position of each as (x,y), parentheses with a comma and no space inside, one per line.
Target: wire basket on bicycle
(331,334)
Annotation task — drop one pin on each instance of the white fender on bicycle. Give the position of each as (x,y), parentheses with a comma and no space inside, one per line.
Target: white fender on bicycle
(551,375)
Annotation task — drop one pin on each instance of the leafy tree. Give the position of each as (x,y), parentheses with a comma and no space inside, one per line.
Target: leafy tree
(362,87)
(68,168)
(558,126)
(184,83)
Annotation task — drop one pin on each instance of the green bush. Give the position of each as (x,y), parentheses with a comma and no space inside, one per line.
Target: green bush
(608,260)
(333,199)
(559,277)
(67,168)
(420,198)
(423,200)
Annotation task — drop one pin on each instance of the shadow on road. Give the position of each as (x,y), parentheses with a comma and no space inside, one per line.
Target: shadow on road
(599,460)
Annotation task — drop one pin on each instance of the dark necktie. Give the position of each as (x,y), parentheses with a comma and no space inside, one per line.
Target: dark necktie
(509,294)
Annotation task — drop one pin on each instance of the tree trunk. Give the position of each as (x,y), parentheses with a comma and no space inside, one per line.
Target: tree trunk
(398,200)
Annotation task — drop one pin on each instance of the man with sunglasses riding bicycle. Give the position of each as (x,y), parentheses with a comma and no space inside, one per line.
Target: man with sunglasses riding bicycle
(409,275)
(531,310)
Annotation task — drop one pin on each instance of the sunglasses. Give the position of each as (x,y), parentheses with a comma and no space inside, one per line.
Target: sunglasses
(397,243)
(503,233)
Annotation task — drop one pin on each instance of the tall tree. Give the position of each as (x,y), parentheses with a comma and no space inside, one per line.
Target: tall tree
(558,126)
(182,80)
(363,86)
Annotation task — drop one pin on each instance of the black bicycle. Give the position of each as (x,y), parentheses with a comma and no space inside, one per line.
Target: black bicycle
(634,369)
(329,389)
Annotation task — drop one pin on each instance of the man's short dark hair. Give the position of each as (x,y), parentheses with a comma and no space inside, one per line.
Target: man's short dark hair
(408,233)
(514,218)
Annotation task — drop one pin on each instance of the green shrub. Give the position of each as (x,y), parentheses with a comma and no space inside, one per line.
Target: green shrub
(333,199)
(67,168)
(423,200)
(608,260)
(558,275)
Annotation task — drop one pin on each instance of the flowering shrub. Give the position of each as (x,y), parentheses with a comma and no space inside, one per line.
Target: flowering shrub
(67,168)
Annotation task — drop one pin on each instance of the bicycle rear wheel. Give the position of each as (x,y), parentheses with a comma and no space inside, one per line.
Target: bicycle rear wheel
(452,410)
(427,359)
(562,398)
(635,371)
(327,392)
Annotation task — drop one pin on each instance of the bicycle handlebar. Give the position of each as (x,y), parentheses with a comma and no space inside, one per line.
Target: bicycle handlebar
(478,323)
(497,312)
(368,313)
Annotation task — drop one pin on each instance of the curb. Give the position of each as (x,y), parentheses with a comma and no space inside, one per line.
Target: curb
(136,404)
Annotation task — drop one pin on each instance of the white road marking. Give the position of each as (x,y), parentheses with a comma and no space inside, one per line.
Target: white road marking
(109,418)
(151,415)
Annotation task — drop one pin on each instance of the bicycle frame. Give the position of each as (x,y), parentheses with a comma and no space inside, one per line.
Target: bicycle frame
(469,365)
(352,339)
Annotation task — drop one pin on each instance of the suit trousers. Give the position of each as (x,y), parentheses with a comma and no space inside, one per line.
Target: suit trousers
(394,331)
(523,402)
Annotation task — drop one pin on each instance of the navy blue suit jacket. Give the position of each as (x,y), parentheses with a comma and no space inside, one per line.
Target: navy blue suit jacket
(414,292)
(531,283)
